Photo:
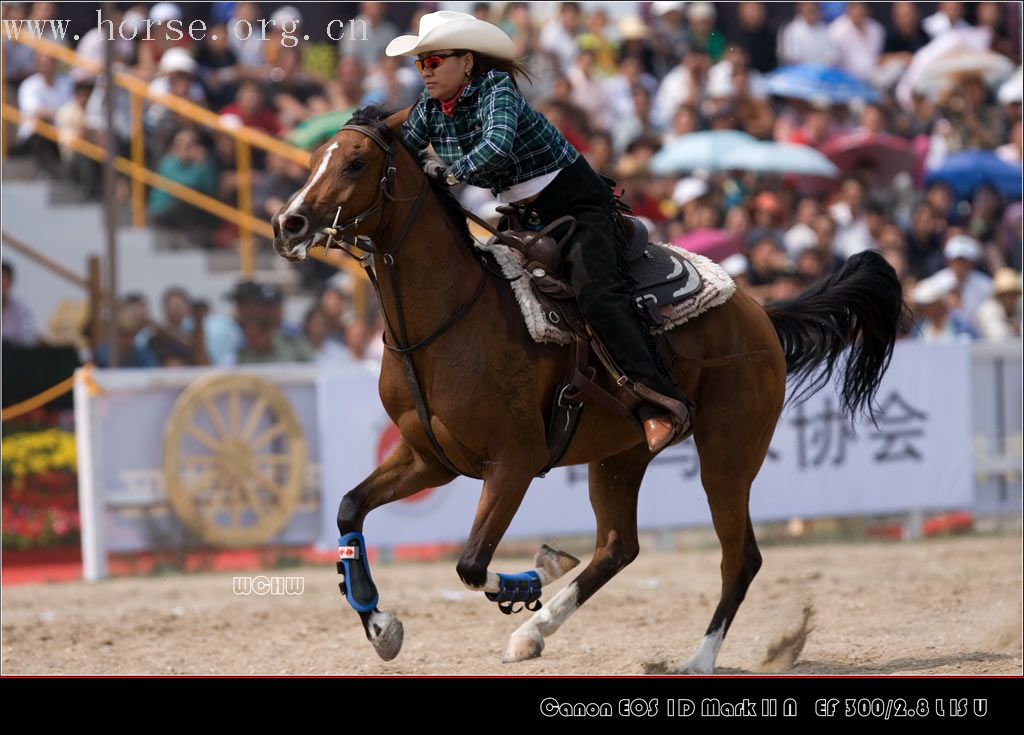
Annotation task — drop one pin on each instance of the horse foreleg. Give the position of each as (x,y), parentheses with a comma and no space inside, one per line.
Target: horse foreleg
(405,472)
(614,488)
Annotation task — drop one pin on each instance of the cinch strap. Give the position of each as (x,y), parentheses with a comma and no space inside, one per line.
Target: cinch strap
(357,586)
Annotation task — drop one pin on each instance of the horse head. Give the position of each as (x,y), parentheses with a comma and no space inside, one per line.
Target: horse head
(346,191)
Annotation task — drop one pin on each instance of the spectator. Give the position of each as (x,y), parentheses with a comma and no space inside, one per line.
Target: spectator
(172,341)
(160,41)
(858,40)
(177,77)
(999,317)
(558,36)
(71,126)
(263,340)
(19,326)
(668,35)
(805,39)
(248,47)
(703,38)
(767,259)
(924,253)
(849,213)
(905,36)
(597,41)
(974,287)
(127,324)
(187,163)
(588,91)
(948,16)
(39,98)
(367,35)
(19,60)
(755,37)
(249,109)
(219,70)
(315,329)
(936,318)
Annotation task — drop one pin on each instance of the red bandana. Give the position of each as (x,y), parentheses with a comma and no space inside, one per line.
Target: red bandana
(448,106)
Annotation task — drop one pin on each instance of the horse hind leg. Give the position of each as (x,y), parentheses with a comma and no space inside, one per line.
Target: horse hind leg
(614,488)
(728,490)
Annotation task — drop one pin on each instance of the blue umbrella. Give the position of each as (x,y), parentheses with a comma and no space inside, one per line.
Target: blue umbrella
(780,158)
(966,172)
(814,82)
(698,151)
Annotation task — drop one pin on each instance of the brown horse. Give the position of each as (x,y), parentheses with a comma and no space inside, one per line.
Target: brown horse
(487,387)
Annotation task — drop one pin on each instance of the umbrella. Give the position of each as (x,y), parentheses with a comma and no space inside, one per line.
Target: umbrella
(952,41)
(814,82)
(779,158)
(966,172)
(715,244)
(316,130)
(886,154)
(697,151)
(992,67)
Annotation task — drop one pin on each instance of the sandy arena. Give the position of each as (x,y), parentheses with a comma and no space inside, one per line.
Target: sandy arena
(950,606)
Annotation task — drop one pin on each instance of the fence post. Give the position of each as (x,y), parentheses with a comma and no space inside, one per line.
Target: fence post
(243,158)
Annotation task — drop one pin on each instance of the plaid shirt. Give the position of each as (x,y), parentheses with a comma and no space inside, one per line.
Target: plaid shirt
(495,140)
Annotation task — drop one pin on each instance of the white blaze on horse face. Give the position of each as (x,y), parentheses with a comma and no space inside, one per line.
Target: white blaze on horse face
(301,196)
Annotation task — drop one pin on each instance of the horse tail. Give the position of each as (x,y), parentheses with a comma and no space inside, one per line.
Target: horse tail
(861,308)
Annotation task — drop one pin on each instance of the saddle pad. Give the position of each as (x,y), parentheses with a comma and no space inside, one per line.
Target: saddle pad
(716,289)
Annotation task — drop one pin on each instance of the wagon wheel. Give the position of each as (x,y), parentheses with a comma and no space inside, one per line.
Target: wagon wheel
(234,459)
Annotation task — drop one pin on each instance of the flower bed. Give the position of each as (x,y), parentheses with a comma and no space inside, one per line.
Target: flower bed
(40,490)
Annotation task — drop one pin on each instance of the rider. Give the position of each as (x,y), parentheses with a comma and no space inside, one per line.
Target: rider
(486,134)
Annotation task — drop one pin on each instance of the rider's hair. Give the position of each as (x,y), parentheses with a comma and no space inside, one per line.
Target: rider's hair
(482,64)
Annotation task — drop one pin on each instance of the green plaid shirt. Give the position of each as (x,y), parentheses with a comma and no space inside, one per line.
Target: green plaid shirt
(495,140)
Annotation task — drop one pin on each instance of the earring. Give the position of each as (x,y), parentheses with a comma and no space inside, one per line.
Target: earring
(467,72)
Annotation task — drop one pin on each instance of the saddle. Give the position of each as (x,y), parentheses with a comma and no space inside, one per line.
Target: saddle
(663,277)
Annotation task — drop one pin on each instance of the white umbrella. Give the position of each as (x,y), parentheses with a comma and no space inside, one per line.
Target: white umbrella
(779,158)
(956,39)
(992,67)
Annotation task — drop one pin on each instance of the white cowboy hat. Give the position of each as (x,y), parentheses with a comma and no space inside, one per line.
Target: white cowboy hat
(448,29)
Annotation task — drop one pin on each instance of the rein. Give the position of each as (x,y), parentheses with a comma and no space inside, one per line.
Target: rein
(397,345)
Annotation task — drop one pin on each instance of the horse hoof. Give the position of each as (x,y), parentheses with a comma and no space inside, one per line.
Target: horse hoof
(522,647)
(386,634)
(694,667)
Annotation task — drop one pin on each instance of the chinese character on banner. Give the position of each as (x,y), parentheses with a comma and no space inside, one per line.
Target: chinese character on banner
(685,456)
(898,424)
(821,437)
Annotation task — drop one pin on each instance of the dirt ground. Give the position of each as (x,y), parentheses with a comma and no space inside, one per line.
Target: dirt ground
(950,606)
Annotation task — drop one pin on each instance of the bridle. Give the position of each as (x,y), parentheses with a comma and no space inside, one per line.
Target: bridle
(384,195)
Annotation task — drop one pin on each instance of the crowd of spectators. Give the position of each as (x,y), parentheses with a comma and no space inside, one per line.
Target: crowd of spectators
(621,89)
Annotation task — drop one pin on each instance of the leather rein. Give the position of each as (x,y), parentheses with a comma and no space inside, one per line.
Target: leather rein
(365,243)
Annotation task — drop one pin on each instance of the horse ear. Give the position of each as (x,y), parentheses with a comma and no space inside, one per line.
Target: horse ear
(395,120)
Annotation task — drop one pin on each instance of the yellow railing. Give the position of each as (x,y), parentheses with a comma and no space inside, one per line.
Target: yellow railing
(135,168)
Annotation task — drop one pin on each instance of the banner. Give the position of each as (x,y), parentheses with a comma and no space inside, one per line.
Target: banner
(918,457)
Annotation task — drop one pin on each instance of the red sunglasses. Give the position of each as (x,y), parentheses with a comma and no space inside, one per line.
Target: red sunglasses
(433,61)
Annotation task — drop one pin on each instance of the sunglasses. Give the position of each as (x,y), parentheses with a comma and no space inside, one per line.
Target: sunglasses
(433,61)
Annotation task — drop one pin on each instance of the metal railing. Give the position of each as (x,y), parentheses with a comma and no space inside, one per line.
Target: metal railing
(141,176)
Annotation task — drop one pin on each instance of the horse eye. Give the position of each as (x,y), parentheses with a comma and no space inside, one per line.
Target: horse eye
(357,165)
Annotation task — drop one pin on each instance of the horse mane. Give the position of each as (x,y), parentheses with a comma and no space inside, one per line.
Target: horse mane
(373,116)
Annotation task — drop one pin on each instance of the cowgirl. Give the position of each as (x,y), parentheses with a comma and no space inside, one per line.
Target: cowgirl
(486,134)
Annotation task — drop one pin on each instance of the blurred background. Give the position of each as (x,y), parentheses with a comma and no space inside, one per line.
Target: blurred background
(777,138)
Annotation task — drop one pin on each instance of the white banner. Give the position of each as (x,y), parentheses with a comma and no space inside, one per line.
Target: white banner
(918,457)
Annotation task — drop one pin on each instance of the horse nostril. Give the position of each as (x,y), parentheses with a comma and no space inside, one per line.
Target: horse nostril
(294,224)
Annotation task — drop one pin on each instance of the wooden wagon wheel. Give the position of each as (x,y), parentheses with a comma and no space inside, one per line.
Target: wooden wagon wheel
(234,459)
